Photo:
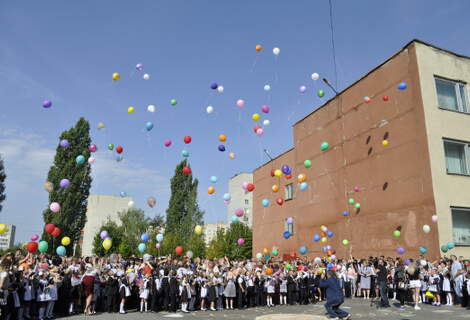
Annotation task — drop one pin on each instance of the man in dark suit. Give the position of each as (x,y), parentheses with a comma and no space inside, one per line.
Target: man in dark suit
(334,296)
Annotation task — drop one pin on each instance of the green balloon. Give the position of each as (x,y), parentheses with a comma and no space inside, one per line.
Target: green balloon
(288,266)
(351,201)
(307,164)
(397,233)
(345,242)
(358,205)
(173,102)
(444,248)
(43,246)
(111,146)
(321,93)
(324,146)
(275,252)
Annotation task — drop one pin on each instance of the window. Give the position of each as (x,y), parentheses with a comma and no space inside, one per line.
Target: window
(247,201)
(289,227)
(289,192)
(457,155)
(461,226)
(451,95)
(245,218)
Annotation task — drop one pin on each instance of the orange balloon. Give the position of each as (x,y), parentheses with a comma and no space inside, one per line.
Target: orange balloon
(301,177)
(275,188)
(222,138)
(329,252)
(211,190)
(265,251)
(323,234)
(259,47)
(269,271)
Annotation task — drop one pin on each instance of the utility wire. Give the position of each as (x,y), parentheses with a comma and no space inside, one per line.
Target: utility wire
(333,42)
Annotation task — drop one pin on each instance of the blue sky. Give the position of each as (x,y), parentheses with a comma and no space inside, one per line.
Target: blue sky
(67,51)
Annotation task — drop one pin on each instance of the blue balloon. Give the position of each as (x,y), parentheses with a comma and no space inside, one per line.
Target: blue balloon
(265,203)
(303,250)
(227,196)
(145,237)
(221,148)
(185,153)
(303,186)
(234,219)
(345,213)
(402,86)
(119,157)
(423,249)
(329,266)
(149,126)
(61,251)
(159,237)
(286,235)
(316,238)
(213,179)
(285,169)
(142,247)
(214,85)
(450,245)
(80,159)
(123,194)
(329,234)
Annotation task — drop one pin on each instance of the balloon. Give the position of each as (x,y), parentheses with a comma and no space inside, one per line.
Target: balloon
(285,169)
(316,237)
(267,87)
(104,234)
(187,139)
(303,250)
(226,202)
(265,203)
(49,228)
(345,242)
(385,143)
(451,245)
(351,201)
(241,241)
(130,204)
(214,86)
(315,76)
(423,249)
(329,234)
(250,187)
(357,189)
(276,51)
(301,178)
(43,246)
(48,186)
(116,76)
(275,252)
(234,219)
(159,237)
(280,201)
(239,212)
(119,157)
(56,232)
(303,186)
(358,205)
(158,245)
(324,228)
(123,194)
(47,104)
(119,149)
(444,248)
(64,143)
(278,173)
(402,86)
(92,148)
(397,233)
(61,251)
(64,183)
(265,251)
(426,228)
(91,160)
(185,153)
(141,247)
(110,146)
(307,164)
(255,128)
(227,197)
(211,190)
(145,237)
(259,256)
(255,117)
(258,48)
(187,170)
(80,159)
(221,148)
(222,138)
(400,250)
(130,110)
(107,243)
(32,247)
(151,108)
(286,235)
(290,220)
(173,102)
(345,213)
(54,207)
(324,146)
(240,103)
(266,122)
(146,76)
(231,155)
(35,237)
(179,250)
(198,230)
(139,66)
(101,125)
(302,89)
(149,126)
(367,99)
(385,98)
(265,109)
(260,132)
(167,143)
(65,241)
(189,254)
(210,109)
(321,93)
(151,202)
(220,89)
(434,218)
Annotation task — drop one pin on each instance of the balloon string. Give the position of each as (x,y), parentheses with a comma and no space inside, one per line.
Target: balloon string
(254,63)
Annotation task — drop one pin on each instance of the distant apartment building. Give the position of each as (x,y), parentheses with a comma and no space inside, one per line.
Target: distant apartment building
(7,240)
(241,199)
(210,231)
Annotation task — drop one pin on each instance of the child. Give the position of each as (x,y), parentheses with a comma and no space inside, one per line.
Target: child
(230,291)
(185,292)
(212,294)
(270,291)
(204,289)
(144,294)
(434,287)
(283,289)
(52,297)
(124,292)
(446,288)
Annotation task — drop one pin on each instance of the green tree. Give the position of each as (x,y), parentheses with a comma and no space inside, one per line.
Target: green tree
(3,176)
(73,200)
(225,243)
(115,232)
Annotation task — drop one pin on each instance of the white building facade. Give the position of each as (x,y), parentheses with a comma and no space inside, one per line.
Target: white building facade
(7,240)
(210,231)
(241,199)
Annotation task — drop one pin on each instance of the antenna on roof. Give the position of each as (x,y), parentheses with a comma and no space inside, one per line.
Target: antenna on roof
(325,80)
(267,153)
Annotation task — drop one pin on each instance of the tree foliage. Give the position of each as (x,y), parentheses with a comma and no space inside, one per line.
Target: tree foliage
(73,200)
(225,242)
(3,176)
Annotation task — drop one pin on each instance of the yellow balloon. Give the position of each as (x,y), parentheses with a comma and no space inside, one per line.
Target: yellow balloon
(3,228)
(198,230)
(130,110)
(231,155)
(65,241)
(324,239)
(385,143)
(116,76)
(48,186)
(278,173)
(101,125)
(323,228)
(255,117)
(107,244)
(301,177)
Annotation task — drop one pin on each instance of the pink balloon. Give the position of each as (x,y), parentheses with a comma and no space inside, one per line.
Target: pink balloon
(259,132)
(241,241)
(35,237)
(226,202)
(245,185)
(240,103)
(239,213)
(157,245)
(167,143)
(265,109)
(55,207)
(302,89)
(91,160)
(92,147)
(357,189)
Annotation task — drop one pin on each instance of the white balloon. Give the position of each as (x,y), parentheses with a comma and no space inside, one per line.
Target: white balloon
(91,160)
(151,108)
(317,260)
(220,89)
(315,76)
(267,87)
(266,122)
(434,218)
(259,256)
(130,204)
(276,51)
(189,254)
(426,228)
(423,263)
(210,109)
(146,76)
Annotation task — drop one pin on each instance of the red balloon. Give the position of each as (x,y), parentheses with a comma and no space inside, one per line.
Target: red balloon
(179,250)
(119,149)
(49,228)
(293,254)
(280,201)
(250,187)
(187,139)
(385,98)
(255,128)
(272,172)
(32,247)
(187,170)
(56,232)
(288,176)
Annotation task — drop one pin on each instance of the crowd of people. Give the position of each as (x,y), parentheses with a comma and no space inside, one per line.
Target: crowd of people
(45,287)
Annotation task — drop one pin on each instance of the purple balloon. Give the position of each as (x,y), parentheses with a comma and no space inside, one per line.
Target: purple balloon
(139,66)
(214,85)
(221,148)
(35,237)
(302,89)
(285,169)
(290,220)
(240,241)
(158,245)
(108,238)
(64,143)
(47,104)
(103,234)
(64,183)
(400,250)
